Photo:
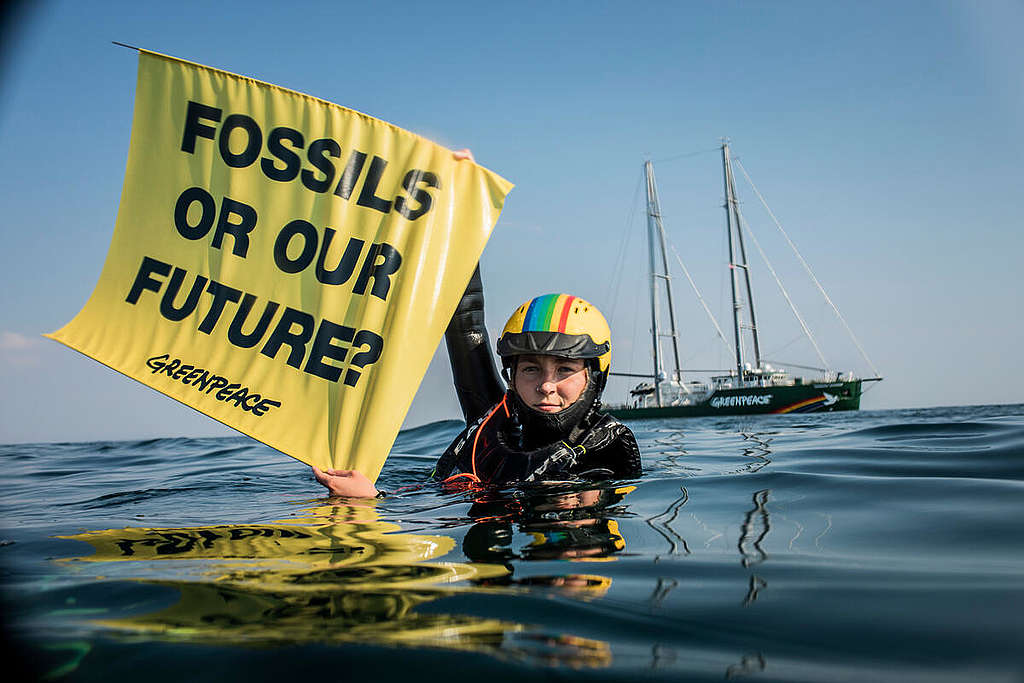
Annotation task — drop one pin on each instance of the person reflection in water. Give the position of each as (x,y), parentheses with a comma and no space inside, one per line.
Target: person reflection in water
(547,425)
(559,524)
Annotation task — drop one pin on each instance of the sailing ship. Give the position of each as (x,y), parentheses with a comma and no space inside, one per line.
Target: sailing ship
(752,385)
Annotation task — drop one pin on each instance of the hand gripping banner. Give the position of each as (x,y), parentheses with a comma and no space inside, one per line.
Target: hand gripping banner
(283,264)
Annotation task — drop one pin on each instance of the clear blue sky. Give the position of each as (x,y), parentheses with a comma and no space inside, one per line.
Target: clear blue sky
(887,137)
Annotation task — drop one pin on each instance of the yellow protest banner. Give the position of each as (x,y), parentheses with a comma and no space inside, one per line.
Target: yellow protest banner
(282,264)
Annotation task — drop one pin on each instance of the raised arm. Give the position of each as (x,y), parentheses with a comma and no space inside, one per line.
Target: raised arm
(477,382)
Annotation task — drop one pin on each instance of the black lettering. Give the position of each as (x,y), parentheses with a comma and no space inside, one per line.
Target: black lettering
(237,397)
(239,231)
(275,145)
(351,174)
(283,334)
(254,141)
(380,272)
(184,203)
(143,281)
(346,265)
(417,194)
(216,383)
(284,238)
(364,272)
(315,154)
(221,295)
(235,334)
(363,358)
(224,393)
(208,537)
(238,534)
(368,196)
(263,406)
(167,308)
(171,543)
(156,363)
(194,129)
(290,533)
(222,389)
(324,348)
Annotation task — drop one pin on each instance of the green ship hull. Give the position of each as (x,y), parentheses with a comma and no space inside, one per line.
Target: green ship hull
(812,397)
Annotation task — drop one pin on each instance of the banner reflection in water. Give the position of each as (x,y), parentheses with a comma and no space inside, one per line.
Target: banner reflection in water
(340,574)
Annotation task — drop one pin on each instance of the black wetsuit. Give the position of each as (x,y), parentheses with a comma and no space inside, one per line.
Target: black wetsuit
(495,446)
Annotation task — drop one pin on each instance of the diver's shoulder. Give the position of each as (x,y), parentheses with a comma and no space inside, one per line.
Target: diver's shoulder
(603,420)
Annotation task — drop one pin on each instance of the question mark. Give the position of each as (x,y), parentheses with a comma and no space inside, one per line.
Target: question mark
(363,358)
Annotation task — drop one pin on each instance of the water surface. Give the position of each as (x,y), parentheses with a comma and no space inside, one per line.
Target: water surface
(879,545)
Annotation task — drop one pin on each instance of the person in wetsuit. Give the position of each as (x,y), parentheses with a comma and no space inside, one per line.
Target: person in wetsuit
(556,353)
(547,425)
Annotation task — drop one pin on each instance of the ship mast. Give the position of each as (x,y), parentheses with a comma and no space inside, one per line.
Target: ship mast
(735,234)
(656,235)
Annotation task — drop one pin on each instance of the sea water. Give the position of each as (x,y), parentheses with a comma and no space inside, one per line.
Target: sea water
(877,545)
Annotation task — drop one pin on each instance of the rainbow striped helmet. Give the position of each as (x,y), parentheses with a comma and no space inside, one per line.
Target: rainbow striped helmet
(557,325)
